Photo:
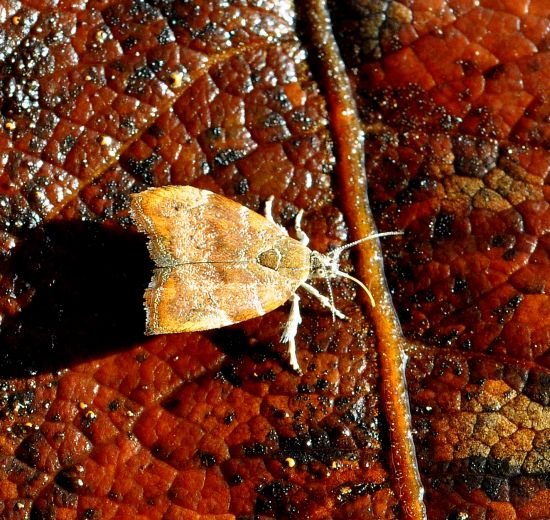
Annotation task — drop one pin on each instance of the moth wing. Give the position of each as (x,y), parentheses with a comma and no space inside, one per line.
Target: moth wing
(187,224)
(194,297)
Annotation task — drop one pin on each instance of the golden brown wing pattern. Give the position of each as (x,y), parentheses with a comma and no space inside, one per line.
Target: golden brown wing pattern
(218,262)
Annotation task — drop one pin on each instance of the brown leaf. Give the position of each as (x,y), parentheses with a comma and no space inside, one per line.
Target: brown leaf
(104,99)
(455,112)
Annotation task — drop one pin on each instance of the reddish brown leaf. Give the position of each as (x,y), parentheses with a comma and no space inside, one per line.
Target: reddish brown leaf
(103,99)
(457,153)
(98,421)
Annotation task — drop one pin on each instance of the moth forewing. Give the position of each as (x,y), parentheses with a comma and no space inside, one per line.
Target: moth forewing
(218,263)
(187,224)
(203,296)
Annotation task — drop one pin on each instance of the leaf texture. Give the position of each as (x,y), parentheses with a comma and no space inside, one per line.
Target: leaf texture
(455,108)
(249,99)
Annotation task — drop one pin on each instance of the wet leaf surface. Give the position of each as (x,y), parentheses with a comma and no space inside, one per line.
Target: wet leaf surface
(101,100)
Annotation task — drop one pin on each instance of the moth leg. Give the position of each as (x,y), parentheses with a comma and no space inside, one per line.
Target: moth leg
(302,237)
(268,213)
(323,299)
(290,331)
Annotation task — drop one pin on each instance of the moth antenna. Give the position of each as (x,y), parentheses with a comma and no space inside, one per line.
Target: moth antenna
(335,253)
(360,283)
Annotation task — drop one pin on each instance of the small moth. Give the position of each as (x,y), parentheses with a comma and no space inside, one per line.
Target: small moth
(219,263)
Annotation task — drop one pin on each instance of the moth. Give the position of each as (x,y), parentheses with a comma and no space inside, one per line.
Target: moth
(218,263)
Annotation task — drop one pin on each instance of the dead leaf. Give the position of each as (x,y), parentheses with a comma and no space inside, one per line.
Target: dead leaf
(99,101)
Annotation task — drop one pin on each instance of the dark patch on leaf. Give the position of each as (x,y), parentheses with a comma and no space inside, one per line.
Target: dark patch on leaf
(228,157)
(443,227)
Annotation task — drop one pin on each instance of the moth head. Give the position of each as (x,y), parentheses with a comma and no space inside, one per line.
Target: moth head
(327,266)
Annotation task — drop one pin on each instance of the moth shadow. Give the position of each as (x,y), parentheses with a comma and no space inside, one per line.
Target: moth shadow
(84,286)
